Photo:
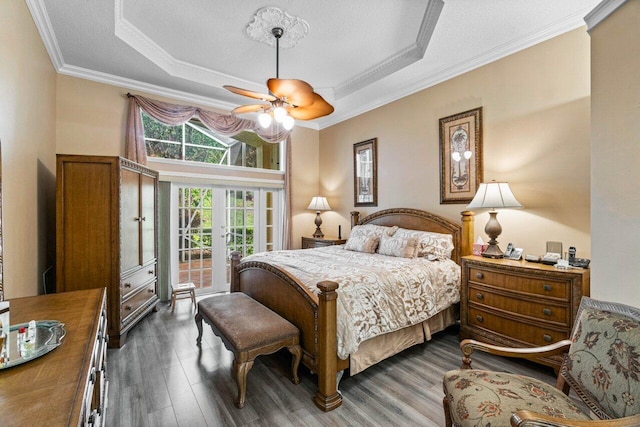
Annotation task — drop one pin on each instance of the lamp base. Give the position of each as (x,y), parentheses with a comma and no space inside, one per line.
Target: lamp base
(318,234)
(493,251)
(493,230)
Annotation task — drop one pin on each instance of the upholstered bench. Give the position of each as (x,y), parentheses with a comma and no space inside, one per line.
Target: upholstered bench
(248,329)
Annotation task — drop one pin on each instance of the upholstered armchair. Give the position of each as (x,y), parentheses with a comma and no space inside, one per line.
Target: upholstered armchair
(602,366)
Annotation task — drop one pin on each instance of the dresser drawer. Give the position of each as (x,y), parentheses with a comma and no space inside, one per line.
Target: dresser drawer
(515,328)
(141,277)
(548,287)
(541,309)
(130,306)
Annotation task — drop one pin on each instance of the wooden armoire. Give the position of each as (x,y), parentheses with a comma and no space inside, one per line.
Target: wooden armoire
(106,235)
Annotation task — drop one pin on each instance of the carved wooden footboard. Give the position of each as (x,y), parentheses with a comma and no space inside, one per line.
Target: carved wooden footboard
(315,315)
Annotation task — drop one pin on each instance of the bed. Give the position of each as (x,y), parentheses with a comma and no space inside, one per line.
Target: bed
(315,312)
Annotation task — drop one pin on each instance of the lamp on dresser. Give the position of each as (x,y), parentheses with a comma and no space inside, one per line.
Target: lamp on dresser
(319,204)
(493,195)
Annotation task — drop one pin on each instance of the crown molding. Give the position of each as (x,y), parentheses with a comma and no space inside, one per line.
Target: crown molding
(404,58)
(410,87)
(43,24)
(601,12)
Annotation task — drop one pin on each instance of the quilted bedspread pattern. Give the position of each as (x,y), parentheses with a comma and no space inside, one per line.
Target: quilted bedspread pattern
(377,293)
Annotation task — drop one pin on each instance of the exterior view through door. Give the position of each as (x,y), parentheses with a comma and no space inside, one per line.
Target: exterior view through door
(213,221)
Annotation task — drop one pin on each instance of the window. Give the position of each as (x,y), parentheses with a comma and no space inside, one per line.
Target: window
(193,141)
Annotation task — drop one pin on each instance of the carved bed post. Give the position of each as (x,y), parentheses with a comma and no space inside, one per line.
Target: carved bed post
(355,218)
(468,233)
(327,397)
(236,257)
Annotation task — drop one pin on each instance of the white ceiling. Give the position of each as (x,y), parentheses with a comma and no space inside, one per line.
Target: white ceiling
(358,54)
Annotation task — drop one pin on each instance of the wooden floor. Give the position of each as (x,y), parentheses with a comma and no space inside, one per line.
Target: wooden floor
(161,378)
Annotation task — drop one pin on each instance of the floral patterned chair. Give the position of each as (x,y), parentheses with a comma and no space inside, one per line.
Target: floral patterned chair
(602,366)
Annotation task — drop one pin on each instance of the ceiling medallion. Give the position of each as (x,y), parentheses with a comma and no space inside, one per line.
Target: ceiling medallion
(268,18)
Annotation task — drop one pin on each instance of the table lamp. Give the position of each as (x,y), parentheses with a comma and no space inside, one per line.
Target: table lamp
(493,195)
(318,204)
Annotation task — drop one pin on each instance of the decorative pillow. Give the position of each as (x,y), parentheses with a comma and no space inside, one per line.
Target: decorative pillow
(437,245)
(362,243)
(398,246)
(363,237)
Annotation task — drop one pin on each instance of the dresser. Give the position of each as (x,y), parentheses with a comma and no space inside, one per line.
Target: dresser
(318,242)
(519,303)
(106,235)
(68,386)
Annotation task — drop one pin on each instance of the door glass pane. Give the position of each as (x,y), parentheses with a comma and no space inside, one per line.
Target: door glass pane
(195,213)
(240,223)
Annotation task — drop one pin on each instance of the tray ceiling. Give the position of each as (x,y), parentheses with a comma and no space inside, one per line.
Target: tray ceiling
(358,54)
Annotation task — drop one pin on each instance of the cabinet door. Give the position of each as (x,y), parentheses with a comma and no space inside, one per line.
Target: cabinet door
(129,219)
(148,212)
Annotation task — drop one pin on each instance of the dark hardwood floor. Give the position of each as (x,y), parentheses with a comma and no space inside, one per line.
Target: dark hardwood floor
(161,378)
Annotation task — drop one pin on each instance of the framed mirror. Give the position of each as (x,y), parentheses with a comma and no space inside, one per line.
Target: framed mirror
(365,174)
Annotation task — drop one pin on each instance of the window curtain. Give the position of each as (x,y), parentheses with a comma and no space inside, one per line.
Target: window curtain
(175,114)
(229,125)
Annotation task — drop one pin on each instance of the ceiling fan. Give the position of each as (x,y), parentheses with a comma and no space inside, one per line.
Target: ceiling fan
(287,100)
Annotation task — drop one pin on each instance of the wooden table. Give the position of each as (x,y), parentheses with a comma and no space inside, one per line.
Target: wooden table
(66,386)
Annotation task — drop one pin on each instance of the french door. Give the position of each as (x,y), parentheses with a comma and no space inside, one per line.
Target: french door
(209,222)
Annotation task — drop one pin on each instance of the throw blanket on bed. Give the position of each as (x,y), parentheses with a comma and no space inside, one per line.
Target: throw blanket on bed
(377,293)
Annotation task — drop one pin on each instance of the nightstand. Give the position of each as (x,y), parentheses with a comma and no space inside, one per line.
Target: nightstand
(318,242)
(519,303)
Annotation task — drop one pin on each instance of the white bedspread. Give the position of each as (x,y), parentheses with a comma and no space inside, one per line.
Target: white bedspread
(377,293)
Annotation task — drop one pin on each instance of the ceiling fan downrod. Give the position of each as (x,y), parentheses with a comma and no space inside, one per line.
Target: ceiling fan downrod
(277,33)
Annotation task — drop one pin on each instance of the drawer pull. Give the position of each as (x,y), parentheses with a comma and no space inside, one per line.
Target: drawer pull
(479,296)
(547,287)
(546,311)
(479,318)
(127,285)
(151,272)
(546,338)
(479,276)
(128,308)
(92,376)
(150,290)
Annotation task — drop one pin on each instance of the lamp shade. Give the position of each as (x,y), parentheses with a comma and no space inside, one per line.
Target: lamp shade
(319,203)
(494,195)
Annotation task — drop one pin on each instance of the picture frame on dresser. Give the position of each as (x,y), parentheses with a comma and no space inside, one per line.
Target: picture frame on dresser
(460,156)
(365,173)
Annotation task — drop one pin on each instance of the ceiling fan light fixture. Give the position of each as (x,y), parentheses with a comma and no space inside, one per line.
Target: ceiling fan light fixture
(264,119)
(288,122)
(279,113)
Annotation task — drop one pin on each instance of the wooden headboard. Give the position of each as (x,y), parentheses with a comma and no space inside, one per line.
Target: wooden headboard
(416,219)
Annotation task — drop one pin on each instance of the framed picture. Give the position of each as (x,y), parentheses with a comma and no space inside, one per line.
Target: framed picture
(460,156)
(365,173)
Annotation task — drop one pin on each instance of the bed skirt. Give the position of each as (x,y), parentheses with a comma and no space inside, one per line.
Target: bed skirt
(379,348)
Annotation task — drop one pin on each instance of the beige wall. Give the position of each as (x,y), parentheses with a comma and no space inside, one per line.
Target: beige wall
(536,136)
(615,153)
(27,127)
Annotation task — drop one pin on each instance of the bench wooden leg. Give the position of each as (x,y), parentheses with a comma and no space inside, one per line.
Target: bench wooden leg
(296,351)
(240,371)
(198,319)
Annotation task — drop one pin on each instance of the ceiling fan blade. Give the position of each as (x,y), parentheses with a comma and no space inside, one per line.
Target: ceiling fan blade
(250,108)
(318,108)
(295,92)
(250,93)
